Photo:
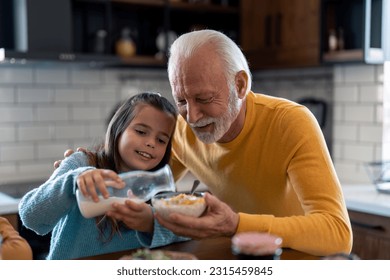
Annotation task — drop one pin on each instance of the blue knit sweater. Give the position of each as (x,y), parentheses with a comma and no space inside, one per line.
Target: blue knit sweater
(53,207)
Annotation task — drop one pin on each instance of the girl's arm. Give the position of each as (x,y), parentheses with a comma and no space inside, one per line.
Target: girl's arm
(43,207)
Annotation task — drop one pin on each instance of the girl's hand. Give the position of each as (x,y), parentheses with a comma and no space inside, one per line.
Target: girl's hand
(98,179)
(137,216)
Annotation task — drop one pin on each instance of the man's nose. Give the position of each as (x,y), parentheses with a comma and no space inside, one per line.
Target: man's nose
(194,113)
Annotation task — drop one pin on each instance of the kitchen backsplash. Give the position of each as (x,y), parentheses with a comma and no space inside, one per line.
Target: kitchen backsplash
(358,121)
(46,109)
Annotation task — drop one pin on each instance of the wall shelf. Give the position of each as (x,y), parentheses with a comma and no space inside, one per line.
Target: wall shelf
(343,56)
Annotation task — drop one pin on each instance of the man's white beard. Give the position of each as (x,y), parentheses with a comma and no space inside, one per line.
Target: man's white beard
(221,124)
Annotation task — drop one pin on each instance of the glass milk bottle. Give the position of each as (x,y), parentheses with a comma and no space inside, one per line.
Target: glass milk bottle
(141,186)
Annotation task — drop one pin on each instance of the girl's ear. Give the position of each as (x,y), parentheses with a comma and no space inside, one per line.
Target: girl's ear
(241,81)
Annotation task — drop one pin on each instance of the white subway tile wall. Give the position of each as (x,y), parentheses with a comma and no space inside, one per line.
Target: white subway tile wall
(386,110)
(46,109)
(358,120)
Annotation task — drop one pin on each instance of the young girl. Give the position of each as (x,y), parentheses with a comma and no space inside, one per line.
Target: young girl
(138,138)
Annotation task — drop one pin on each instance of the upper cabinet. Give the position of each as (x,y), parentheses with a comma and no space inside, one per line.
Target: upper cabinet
(355,31)
(294,33)
(127,32)
(281,33)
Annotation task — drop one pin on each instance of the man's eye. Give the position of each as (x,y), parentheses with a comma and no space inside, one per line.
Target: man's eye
(205,100)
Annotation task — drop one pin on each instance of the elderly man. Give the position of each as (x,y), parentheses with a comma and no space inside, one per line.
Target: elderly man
(263,156)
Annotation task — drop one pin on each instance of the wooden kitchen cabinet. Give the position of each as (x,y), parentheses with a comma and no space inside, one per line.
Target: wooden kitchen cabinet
(371,235)
(281,33)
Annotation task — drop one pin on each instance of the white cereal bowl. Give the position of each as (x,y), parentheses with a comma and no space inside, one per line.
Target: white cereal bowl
(179,202)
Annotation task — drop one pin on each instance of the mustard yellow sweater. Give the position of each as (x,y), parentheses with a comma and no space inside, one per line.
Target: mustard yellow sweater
(277,174)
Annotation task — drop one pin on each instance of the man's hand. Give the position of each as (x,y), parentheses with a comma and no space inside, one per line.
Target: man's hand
(66,154)
(219,220)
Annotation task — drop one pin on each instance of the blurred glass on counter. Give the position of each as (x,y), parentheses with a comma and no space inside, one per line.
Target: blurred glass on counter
(379,174)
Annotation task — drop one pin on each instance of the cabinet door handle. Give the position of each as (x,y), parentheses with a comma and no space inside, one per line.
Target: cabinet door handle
(268,30)
(367,226)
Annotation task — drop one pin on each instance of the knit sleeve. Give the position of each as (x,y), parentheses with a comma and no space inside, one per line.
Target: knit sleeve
(43,207)
(161,237)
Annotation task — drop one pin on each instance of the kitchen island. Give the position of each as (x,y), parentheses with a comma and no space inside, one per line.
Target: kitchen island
(369,212)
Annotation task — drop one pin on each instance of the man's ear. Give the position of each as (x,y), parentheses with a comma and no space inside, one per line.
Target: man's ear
(241,81)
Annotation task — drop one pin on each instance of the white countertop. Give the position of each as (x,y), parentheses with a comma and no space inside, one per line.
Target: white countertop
(8,204)
(365,198)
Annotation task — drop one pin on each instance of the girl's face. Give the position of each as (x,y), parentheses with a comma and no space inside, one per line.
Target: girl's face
(143,143)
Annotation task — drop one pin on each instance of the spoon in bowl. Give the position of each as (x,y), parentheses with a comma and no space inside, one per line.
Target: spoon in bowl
(194,186)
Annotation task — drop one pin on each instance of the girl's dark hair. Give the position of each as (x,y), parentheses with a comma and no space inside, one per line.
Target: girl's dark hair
(107,156)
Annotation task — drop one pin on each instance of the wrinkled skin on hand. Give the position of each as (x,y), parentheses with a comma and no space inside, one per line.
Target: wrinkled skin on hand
(218,220)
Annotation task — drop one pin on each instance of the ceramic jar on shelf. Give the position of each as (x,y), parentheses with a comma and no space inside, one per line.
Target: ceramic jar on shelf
(125,46)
